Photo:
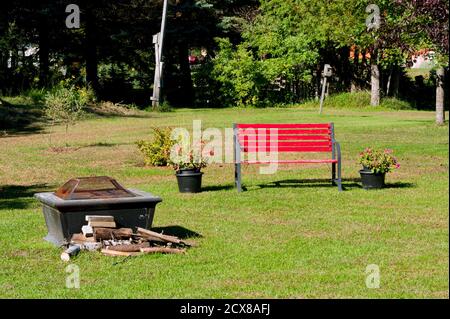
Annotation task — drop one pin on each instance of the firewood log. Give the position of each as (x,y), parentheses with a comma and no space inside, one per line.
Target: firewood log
(99,218)
(87,231)
(129,248)
(164,250)
(108,233)
(151,234)
(110,252)
(73,250)
(81,239)
(102,224)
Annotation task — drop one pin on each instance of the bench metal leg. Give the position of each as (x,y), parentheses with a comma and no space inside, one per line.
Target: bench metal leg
(339,177)
(237,176)
(338,180)
(333,174)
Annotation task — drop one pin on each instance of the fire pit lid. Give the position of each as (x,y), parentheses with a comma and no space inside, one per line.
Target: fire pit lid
(98,187)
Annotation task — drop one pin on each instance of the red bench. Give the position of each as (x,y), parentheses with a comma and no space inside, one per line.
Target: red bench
(287,138)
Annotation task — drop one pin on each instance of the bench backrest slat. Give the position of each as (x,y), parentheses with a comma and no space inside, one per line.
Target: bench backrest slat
(280,126)
(281,131)
(308,137)
(270,137)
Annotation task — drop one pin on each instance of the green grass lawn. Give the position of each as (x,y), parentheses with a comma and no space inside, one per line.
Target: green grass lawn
(296,240)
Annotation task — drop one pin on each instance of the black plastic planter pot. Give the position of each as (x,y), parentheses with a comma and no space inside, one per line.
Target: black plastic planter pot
(372,180)
(189,181)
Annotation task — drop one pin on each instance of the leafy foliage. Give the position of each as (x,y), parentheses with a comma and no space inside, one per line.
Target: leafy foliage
(378,161)
(163,107)
(187,155)
(157,151)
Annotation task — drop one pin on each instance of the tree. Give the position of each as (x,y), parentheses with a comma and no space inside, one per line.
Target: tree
(433,21)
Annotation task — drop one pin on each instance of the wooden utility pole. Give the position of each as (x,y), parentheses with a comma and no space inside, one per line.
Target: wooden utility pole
(440,111)
(158,41)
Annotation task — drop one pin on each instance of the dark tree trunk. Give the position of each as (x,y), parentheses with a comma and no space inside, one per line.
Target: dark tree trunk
(43,52)
(346,68)
(91,51)
(185,72)
(354,75)
(3,69)
(395,81)
(4,54)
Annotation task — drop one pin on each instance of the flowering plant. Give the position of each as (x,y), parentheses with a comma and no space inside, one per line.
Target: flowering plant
(378,161)
(185,155)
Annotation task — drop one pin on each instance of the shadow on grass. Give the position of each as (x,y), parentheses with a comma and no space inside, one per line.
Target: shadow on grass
(347,183)
(400,185)
(18,196)
(17,119)
(111,112)
(178,231)
(212,188)
(104,144)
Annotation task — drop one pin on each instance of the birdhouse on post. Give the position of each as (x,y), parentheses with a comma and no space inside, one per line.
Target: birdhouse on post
(327,70)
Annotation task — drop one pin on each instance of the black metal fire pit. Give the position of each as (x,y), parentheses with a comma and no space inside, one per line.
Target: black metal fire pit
(65,210)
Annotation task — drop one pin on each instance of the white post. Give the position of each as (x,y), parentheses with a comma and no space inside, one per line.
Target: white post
(157,77)
(322,96)
(158,40)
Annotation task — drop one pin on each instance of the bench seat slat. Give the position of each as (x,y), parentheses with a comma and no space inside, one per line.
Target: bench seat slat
(274,144)
(287,149)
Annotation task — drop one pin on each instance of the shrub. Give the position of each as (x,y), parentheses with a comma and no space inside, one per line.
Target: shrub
(163,107)
(378,161)
(37,96)
(358,100)
(66,105)
(157,151)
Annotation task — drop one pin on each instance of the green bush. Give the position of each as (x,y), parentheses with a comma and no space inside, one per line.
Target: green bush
(395,104)
(37,96)
(157,151)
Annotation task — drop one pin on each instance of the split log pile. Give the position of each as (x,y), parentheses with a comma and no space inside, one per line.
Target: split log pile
(101,234)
